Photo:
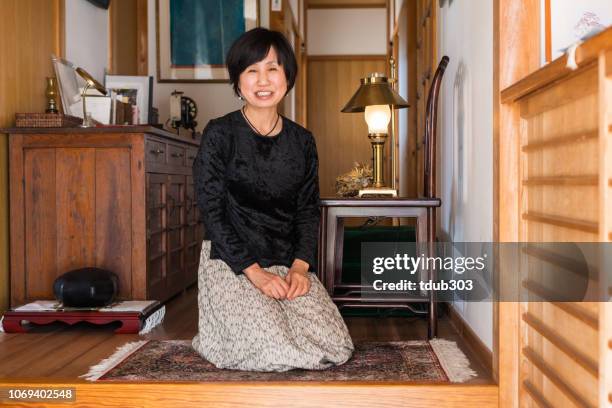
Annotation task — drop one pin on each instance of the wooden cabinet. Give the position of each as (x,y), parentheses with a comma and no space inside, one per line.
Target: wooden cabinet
(119,198)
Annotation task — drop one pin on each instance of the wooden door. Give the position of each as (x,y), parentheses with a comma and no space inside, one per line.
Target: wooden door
(559,167)
(426,64)
(553,185)
(128,37)
(76,212)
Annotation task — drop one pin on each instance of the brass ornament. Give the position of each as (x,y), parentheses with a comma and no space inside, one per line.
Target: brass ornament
(51,94)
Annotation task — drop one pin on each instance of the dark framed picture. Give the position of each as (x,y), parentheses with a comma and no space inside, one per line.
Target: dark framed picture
(193,37)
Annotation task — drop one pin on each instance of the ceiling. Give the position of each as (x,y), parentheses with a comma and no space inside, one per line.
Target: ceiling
(346,3)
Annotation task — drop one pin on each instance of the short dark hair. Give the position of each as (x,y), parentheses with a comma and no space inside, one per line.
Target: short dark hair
(252,47)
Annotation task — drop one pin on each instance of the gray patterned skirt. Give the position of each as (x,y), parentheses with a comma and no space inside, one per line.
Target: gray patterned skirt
(241,328)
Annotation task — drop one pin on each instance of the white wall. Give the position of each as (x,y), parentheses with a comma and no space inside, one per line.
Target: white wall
(87,37)
(571,20)
(346,31)
(465,131)
(295,4)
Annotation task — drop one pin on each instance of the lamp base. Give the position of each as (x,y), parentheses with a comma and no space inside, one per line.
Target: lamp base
(88,121)
(378,191)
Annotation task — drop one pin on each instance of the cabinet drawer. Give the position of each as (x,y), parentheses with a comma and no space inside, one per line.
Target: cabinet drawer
(155,151)
(191,155)
(176,155)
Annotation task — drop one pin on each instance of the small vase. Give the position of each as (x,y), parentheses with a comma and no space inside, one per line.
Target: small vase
(51,94)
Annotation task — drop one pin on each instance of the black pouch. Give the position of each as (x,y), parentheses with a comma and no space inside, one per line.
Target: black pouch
(86,287)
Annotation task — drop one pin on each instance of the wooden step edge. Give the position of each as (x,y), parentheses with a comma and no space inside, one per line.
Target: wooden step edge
(329,394)
(585,180)
(563,345)
(560,141)
(561,261)
(535,394)
(568,307)
(552,375)
(580,314)
(571,223)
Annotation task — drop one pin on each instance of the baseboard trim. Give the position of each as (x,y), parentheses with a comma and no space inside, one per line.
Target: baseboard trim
(471,339)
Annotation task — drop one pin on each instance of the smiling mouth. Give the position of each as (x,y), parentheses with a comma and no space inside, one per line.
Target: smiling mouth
(263,94)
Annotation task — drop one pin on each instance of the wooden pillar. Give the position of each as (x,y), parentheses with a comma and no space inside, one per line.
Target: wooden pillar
(516,52)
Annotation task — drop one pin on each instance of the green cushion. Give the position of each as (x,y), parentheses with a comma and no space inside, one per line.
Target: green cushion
(354,236)
(351,260)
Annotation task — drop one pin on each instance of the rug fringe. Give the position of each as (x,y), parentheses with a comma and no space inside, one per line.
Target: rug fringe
(153,320)
(107,364)
(452,359)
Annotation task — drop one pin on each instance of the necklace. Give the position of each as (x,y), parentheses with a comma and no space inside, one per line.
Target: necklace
(254,128)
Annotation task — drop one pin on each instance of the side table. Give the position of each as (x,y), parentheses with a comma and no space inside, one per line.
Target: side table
(331,240)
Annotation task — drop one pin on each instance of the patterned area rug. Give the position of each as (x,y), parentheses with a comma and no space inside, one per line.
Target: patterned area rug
(437,360)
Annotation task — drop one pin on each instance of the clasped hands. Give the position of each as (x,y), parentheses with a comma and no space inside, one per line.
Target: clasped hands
(295,284)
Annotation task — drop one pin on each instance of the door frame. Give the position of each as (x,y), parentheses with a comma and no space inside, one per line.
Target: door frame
(516,23)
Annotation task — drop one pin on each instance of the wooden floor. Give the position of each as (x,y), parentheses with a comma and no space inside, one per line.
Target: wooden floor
(59,353)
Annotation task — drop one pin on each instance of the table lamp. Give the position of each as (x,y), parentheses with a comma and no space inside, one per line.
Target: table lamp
(377,98)
(89,83)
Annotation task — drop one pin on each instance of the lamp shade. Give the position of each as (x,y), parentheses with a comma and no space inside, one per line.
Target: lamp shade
(377,117)
(91,80)
(375,89)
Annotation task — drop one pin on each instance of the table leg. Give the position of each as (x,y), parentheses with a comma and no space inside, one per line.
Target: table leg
(433,310)
(331,231)
(321,246)
(129,326)
(12,325)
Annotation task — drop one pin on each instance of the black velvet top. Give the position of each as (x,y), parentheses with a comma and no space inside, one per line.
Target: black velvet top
(258,195)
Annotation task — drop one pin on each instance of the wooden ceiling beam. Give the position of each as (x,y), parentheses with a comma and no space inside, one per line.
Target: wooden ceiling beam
(334,4)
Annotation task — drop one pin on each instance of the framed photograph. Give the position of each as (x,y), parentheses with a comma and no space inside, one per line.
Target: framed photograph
(136,90)
(193,37)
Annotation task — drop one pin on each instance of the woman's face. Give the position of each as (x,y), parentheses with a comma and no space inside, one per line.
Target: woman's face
(264,84)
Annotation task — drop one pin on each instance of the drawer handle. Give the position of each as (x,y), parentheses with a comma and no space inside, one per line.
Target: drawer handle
(157,151)
(177,155)
(172,206)
(188,203)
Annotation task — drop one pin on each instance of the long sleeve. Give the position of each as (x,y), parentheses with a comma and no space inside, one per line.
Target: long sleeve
(308,213)
(209,172)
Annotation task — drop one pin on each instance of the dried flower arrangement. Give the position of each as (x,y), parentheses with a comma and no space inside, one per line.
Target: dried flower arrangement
(349,184)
